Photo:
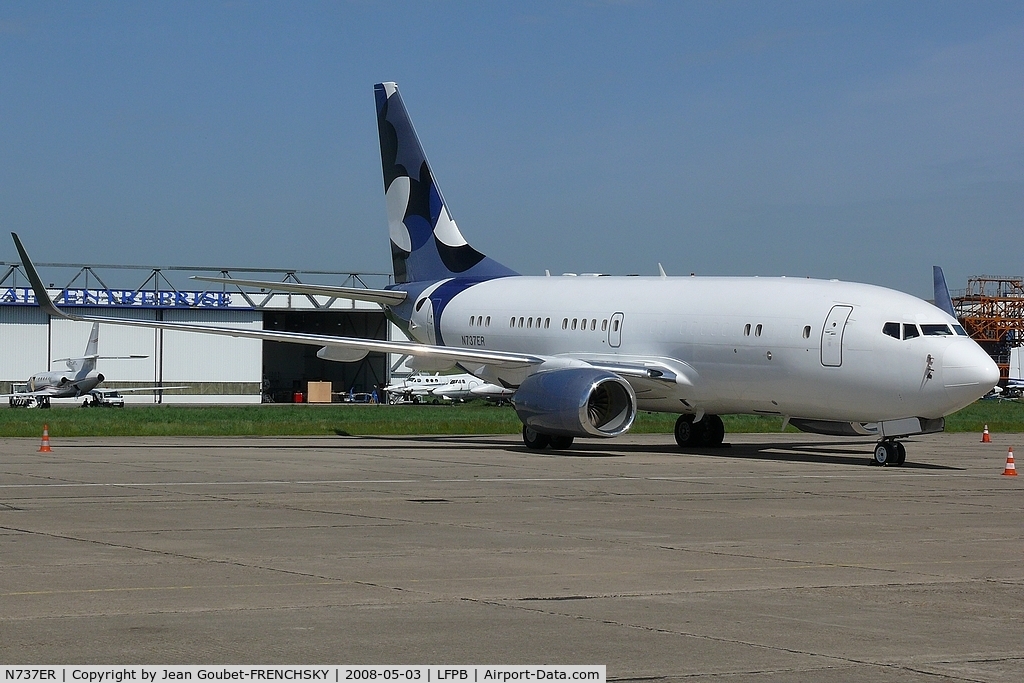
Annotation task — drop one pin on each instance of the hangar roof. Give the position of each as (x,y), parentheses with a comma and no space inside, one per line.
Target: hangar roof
(170,287)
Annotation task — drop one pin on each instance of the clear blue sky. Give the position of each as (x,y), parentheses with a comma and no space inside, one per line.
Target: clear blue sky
(857,140)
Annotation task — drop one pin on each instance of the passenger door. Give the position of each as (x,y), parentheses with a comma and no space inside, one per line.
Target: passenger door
(832,336)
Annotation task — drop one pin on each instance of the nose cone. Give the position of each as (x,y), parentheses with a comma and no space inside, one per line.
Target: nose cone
(968,373)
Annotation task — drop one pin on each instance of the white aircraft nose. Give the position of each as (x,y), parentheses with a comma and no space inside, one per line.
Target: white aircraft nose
(968,373)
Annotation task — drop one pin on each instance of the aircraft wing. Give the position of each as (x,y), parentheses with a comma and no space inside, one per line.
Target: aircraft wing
(33,394)
(128,390)
(379,296)
(637,370)
(337,348)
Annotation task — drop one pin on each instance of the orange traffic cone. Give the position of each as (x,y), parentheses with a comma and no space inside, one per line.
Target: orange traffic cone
(1010,470)
(44,447)
(985,438)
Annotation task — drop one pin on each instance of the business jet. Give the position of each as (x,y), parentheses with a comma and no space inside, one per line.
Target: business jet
(584,354)
(80,379)
(463,387)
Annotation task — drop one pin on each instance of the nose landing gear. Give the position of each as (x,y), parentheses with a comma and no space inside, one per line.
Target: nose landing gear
(889,453)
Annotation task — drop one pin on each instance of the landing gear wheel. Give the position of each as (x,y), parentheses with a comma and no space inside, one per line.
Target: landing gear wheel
(689,433)
(901,454)
(561,443)
(885,453)
(714,430)
(535,440)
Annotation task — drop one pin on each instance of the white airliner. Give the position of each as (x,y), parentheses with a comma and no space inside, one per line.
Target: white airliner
(80,379)
(585,353)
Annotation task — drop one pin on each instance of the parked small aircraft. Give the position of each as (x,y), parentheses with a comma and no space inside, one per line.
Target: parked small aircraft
(80,379)
(472,387)
(417,388)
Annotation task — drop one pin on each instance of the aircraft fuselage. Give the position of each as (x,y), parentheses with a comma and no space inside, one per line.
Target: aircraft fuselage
(782,346)
(64,384)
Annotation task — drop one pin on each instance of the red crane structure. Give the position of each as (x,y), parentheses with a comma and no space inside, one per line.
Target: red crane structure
(991,309)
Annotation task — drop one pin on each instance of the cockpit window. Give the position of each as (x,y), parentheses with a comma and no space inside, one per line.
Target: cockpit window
(910,331)
(960,331)
(936,330)
(891,329)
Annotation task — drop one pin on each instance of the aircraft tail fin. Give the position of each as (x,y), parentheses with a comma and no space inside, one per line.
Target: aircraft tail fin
(425,241)
(86,363)
(942,298)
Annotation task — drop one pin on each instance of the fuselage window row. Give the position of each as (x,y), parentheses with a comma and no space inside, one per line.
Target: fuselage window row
(582,324)
(528,323)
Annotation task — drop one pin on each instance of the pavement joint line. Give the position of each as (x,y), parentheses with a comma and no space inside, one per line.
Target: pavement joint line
(195,558)
(704,636)
(129,589)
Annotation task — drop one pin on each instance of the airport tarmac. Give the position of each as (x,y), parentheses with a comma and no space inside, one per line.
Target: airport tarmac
(782,558)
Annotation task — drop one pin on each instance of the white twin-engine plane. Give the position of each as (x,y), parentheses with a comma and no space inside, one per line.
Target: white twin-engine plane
(584,354)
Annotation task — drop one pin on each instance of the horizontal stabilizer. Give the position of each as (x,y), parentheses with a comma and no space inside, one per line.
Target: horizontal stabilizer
(134,356)
(379,296)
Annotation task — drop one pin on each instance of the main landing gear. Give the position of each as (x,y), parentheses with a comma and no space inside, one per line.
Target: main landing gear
(708,433)
(889,452)
(538,441)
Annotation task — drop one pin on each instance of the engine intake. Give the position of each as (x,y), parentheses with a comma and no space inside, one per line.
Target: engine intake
(576,402)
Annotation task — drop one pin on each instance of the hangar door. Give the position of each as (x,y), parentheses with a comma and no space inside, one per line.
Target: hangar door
(287,368)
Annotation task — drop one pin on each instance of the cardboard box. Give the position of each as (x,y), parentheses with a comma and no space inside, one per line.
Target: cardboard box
(318,392)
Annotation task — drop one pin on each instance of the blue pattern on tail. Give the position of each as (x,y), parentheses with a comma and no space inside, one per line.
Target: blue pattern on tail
(426,243)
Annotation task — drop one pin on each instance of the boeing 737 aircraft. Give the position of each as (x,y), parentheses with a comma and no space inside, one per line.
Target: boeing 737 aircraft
(584,354)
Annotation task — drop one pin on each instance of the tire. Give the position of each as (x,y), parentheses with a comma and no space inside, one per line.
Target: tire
(561,443)
(901,454)
(714,430)
(884,453)
(688,433)
(535,440)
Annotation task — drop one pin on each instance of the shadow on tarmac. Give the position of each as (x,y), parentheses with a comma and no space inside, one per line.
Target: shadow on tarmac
(830,453)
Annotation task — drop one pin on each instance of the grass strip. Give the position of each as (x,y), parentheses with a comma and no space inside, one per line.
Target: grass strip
(364,420)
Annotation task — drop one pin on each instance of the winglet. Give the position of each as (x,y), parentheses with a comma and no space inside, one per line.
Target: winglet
(42,298)
(942,298)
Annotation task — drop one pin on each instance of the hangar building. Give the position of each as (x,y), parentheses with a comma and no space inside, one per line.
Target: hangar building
(216,369)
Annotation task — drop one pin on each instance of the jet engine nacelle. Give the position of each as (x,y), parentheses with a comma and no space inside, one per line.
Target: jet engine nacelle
(576,401)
